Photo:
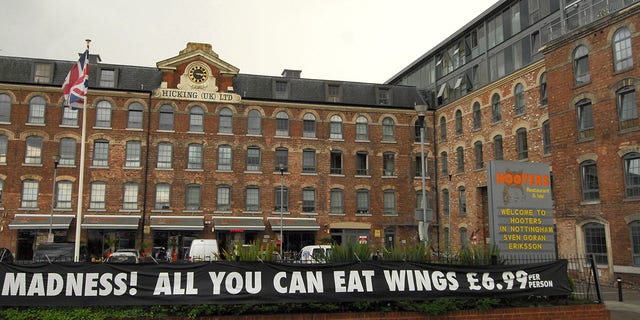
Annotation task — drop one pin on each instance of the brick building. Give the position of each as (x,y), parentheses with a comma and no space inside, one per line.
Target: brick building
(595,136)
(572,105)
(195,149)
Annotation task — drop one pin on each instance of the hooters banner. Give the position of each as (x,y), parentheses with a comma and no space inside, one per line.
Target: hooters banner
(84,284)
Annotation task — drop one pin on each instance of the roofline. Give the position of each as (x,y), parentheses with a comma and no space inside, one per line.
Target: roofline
(460,31)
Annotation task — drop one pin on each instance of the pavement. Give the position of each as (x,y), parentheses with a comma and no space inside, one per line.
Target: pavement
(628,308)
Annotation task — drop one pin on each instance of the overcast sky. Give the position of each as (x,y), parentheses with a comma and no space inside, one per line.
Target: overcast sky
(350,40)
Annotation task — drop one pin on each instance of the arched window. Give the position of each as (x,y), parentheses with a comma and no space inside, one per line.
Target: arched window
(5,108)
(165,120)
(63,194)
(103,114)
(33,152)
(622,55)
(195,156)
(458,122)
(389,200)
(585,119)
(581,65)
(445,163)
(634,228)
(362,202)
(193,197)
(522,145)
(4,146)
(309,125)
(497,148)
(388,129)
(134,118)
(477,116)
(252,198)
(165,155)
(627,108)
(29,194)
(543,89)
(225,121)
(443,128)
(362,128)
(223,198)
(67,151)
(460,156)
(282,124)
(224,158)
(445,202)
(98,195)
(336,201)
(595,242)
(589,176)
(163,196)
(196,119)
(546,137)
(36,110)
(518,95)
(632,175)
(462,201)
(254,125)
(335,127)
(477,147)
(496,108)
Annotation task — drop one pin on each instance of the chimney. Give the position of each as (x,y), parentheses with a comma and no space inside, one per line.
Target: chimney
(288,73)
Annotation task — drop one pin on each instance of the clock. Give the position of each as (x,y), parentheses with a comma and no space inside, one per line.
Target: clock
(198,73)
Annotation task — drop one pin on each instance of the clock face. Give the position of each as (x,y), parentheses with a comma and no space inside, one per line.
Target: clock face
(198,73)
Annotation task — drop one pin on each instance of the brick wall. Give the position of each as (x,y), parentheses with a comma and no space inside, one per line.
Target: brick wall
(582,312)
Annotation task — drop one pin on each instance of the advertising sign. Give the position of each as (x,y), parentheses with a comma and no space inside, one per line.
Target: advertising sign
(225,282)
(520,204)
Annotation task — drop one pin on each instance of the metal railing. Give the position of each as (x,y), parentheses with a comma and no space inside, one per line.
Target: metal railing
(581,13)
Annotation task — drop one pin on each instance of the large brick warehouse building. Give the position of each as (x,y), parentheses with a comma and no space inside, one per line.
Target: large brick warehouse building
(195,149)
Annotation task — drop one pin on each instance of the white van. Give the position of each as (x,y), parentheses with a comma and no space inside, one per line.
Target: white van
(203,250)
(315,253)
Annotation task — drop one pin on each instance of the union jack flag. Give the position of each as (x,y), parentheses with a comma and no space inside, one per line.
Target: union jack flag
(75,85)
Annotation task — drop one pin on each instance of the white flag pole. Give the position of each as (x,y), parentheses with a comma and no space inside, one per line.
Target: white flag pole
(76,256)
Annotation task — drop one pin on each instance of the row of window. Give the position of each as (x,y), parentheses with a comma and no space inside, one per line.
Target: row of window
(193,198)
(166,120)
(627,107)
(496,109)
(195,157)
(522,150)
(631,172)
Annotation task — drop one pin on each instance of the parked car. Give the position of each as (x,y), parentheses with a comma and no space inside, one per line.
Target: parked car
(204,250)
(6,256)
(58,252)
(123,257)
(131,250)
(315,253)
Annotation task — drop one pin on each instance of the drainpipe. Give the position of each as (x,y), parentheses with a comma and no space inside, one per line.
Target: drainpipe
(435,184)
(145,173)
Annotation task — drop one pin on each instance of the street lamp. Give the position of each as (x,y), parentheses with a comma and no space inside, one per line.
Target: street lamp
(421,109)
(56,161)
(281,166)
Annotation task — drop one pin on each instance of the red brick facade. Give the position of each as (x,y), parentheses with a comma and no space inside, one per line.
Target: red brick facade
(606,144)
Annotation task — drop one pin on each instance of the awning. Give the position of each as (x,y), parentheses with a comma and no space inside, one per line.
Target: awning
(350,225)
(238,223)
(41,221)
(294,224)
(177,222)
(110,222)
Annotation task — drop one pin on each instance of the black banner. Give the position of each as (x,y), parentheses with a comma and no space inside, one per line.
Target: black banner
(85,284)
